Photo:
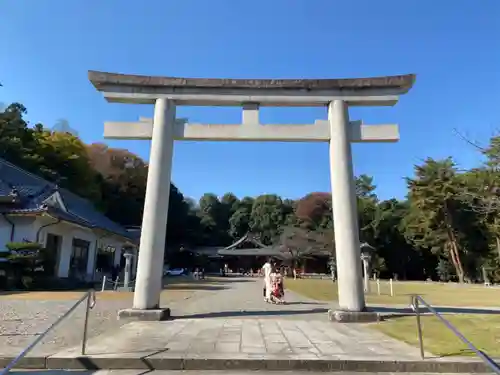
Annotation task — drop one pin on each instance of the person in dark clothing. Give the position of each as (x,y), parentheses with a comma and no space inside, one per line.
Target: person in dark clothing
(115,271)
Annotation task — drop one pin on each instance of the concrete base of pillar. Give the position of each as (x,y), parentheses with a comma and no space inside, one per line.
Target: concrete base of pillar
(342,316)
(150,315)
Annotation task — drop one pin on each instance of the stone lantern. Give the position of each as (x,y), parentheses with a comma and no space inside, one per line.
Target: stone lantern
(128,255)
(366,256)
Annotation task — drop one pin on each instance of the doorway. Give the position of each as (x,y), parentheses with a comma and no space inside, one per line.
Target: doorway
(79,259)
(53,245)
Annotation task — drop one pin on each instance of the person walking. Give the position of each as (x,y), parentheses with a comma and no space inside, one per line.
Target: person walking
(267,269)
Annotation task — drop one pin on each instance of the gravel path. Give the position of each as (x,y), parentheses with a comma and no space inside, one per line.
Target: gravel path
(22,320)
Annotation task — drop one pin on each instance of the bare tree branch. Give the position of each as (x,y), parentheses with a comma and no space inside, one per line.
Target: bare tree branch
(467,140)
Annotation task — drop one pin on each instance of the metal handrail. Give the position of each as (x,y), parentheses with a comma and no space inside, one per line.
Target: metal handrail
(90,298)
(415,303)
(116,283)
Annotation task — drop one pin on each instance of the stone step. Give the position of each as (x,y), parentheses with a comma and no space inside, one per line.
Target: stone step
(193,372)
(234,365)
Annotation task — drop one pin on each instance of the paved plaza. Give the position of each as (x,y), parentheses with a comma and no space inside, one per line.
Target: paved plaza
(247,339)
(242,298)
(236,323)
(225,325)
(23,318)
(192,372)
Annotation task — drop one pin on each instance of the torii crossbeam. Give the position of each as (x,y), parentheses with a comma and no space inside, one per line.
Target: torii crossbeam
(166,93)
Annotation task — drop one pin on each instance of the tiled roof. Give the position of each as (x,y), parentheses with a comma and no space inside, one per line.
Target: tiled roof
(266,251)
(34,190)
(249,238)
(5,188)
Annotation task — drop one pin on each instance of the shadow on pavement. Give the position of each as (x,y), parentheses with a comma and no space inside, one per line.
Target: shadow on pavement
(20,334)
(230,279)
(239,314)
(303,303)
(209,283)
(193,287)
(408,311)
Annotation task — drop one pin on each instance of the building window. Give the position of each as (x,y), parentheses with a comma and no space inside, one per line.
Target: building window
(79,258)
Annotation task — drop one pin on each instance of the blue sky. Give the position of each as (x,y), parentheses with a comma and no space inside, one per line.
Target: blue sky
(453,47)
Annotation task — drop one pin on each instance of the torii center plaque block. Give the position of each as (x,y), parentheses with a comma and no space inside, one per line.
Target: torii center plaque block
(250,94)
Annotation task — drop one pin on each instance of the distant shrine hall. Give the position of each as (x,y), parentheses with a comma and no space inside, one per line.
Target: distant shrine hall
(249,254)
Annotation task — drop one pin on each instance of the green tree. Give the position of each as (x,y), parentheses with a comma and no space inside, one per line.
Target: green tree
(298,244)
(367,203)
(122,178)
(17,143)
(63,159)
(267,218)
(448,227)
(433,217)
(239,222)
(212,214)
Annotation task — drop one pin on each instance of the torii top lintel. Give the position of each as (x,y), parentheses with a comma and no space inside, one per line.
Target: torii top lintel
(127,88)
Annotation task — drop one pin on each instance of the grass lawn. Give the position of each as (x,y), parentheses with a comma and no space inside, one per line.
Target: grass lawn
(482,330)
(168,295)
(434,293)
(175,288)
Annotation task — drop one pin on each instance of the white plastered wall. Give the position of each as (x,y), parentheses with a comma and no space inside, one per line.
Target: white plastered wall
(67,231)
(24,229)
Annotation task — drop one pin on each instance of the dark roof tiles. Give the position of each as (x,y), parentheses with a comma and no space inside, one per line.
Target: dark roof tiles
(34,190)
(5,188)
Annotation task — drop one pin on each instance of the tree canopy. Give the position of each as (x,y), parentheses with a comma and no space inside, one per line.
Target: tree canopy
(448,226)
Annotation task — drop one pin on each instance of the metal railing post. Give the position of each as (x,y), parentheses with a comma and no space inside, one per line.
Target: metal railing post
(103,287)
(85,324)
(416,304)
(89,297)
(416,301)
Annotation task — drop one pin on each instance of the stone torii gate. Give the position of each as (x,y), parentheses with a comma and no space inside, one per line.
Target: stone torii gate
(166,93)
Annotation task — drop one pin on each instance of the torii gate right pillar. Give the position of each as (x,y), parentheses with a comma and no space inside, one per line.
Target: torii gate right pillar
(350,288)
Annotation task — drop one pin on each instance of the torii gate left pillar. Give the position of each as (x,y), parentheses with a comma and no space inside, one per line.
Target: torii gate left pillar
(165,93)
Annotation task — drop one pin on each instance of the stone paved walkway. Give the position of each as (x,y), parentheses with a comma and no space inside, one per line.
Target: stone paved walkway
(234,320)
(194,372)
(247,339)
(242,298)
